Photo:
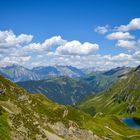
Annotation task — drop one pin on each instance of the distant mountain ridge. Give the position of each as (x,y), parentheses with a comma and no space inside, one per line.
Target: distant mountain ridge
(101,80)
(58,70)
(44,71)
(18,73)
(118,71)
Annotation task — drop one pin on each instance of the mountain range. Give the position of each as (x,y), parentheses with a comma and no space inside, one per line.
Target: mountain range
(19,73)
(63,84)
(68,91)
(58,70)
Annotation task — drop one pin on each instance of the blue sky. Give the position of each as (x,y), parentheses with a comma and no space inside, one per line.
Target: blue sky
(72,20)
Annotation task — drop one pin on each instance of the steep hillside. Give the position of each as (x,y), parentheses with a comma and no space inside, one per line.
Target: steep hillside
(122,98)
(63,90)
(25,116)
(101,80)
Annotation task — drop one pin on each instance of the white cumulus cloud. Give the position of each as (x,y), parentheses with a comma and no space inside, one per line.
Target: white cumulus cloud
(119,35)
(56,40)
(55,50)
(101,29)
(77,48)
(126,44)
(21,60)
(129,44)
(46,45)
(134,24)
(9,39)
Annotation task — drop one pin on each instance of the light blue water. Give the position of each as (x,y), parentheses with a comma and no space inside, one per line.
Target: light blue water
(130,122)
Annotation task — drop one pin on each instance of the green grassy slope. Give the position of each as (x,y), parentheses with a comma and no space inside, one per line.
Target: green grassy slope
(122,98)
(33,116)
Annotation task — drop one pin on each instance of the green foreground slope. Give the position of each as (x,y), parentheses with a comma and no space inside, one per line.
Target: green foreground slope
(33,116)
(123,98)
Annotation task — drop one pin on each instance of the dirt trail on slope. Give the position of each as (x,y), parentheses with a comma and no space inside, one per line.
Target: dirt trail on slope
(121,134)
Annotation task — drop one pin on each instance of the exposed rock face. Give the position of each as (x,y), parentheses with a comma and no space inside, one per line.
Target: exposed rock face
(23,98)
(131,109)
(65,113)
(73,132)
(2,91)
(60,132)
